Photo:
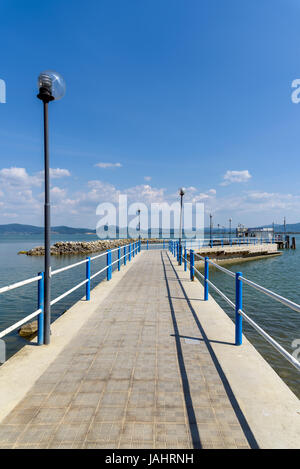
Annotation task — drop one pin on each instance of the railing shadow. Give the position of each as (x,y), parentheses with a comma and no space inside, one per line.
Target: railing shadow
(184,378)
(203,340)
(235,405)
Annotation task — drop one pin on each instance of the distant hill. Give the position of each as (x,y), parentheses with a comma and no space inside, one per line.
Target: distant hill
(290,227)
(17,228)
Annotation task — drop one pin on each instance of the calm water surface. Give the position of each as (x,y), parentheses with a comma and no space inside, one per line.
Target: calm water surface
(280,274)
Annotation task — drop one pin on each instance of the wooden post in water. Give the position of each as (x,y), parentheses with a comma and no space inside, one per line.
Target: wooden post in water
(293,245)
(287,242)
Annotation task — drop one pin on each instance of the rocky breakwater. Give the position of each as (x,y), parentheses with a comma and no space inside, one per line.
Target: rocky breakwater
(64,248)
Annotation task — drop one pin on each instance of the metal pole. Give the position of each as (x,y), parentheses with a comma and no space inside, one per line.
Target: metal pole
(191,264)
(47,269)
(206,277)
(88,278)
(238,306)
(180,231)
(119,259)
(40,306)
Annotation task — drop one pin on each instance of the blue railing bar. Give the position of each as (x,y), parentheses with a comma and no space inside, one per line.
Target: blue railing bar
(19,323)
(20,284)
(68,292)
(277,297)
(67,267)
(221,294)
(273,342)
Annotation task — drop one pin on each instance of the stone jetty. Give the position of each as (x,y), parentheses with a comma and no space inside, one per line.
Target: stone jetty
(62,248)
(235,254)
(77,247)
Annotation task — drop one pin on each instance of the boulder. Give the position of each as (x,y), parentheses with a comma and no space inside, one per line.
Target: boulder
(28,330)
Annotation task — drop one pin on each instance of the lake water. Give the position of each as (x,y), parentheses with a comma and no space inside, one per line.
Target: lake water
(280,274)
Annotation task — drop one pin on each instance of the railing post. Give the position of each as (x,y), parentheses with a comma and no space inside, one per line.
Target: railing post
(129,252)
(238,306)
(40,305)
(108,260)
(125,255)
(179,254)
(185,259)
(206,277)
(177,250)
(147,244)
(119,259)
(139,245)
(191,264)
(88,278)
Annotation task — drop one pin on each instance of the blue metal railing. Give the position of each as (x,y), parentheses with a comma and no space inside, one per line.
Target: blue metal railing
(129,250)
(238,305)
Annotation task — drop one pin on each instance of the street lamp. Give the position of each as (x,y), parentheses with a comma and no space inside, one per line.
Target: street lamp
(230,220)
(181,193)
(139,229)
(51,87)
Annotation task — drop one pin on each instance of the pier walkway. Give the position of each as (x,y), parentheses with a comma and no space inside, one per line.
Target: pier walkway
(142,369)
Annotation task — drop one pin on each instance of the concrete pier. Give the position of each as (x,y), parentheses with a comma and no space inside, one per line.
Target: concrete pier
(145,364)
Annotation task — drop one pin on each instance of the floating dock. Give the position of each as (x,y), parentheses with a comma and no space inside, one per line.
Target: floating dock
(146,363)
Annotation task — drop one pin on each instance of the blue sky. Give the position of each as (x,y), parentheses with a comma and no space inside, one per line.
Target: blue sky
(169,93)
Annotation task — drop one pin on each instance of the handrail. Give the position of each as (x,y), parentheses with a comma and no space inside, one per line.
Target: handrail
(19,284)
(270,339)
(19,323)
(272,294)
(174,248)
(134,248)
(57,271)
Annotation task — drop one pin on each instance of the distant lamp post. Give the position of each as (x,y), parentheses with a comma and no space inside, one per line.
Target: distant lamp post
(139,226)
(181,193)
(210,228)
(230,221)
(51,87)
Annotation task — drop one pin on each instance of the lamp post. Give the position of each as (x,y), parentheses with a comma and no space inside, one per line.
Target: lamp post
(139,229)
(51,87)
(210,228)
(230,220)
(181,193)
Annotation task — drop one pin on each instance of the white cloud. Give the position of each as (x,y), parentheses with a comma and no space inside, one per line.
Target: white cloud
(108,165)
(235,176)
(57,173)
(18,176)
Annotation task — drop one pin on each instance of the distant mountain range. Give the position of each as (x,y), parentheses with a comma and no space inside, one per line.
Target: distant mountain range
(17,228)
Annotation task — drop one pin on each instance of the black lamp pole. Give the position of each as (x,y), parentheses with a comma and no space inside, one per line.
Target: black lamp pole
(46,96)
(51,87)
(47,224)
(139,213)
